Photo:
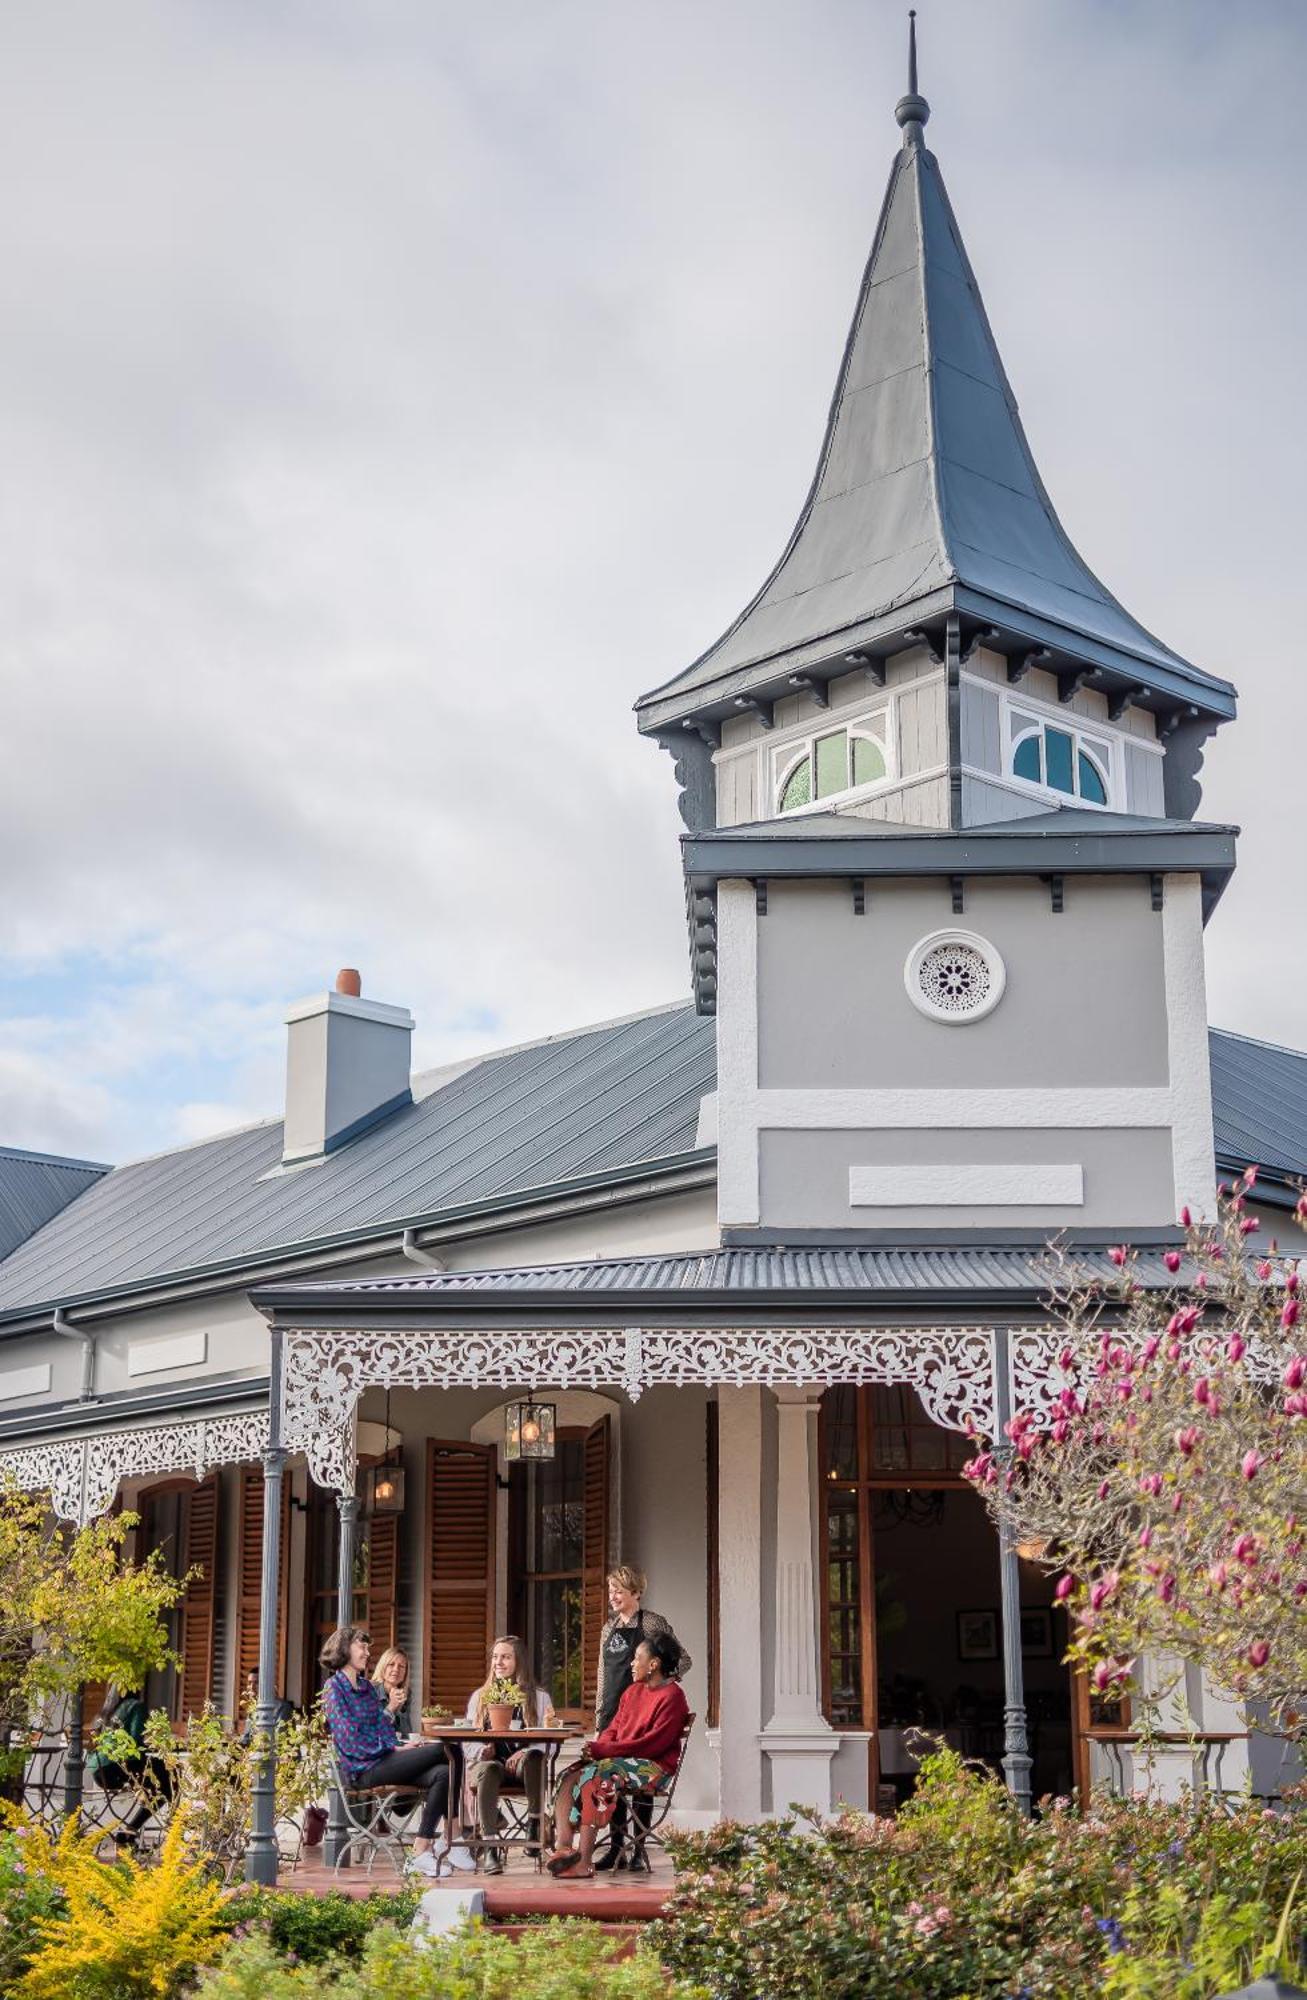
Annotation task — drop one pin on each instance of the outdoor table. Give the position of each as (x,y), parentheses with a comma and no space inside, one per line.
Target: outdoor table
(1202,1745)
(453,1739)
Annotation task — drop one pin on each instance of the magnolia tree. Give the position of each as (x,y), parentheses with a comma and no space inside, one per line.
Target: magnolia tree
(72,1609)
(1166,1483)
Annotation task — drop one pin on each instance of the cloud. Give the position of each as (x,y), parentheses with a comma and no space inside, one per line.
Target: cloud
(390,393)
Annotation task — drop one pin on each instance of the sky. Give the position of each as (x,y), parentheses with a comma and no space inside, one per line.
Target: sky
(391,391)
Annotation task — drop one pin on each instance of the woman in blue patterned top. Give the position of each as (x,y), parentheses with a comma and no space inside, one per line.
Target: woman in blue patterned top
(362,1728)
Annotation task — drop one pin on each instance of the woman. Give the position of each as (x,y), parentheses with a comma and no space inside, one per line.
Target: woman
(637,1754)
(628,1624)
(362,1728)
(490,1763)
(392,1671)
(147,1776)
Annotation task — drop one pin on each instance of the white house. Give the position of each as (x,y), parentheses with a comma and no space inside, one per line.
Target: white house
(763,1254)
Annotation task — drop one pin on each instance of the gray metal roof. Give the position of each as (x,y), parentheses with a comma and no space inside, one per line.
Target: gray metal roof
(36,1186)
(926,496)
(580,1107)
(827,1272)
(589,1106)
(1259,1104)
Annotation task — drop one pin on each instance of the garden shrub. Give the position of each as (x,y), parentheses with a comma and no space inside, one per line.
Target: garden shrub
(314,1928)
(960,1896)
(554,1961)
(122,1930)
(29,1898)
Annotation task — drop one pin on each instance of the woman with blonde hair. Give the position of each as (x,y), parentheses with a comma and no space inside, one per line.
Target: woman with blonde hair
(491,1765)
(390,1677)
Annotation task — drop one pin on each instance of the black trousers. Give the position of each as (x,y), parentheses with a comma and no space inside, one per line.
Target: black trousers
(423,1765)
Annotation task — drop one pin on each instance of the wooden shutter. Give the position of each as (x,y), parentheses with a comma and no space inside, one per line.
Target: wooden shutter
(195,1681)
(383,1581)
(594,1556)
(460,1569)
(249,1581)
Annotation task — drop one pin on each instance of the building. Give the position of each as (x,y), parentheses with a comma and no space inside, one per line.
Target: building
(761,1257)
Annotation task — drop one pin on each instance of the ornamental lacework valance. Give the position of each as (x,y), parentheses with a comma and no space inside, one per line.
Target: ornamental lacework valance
(952,1369)
(324,1374)
(82,1474)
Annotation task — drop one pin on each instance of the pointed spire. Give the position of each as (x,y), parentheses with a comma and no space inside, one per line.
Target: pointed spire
(912,111)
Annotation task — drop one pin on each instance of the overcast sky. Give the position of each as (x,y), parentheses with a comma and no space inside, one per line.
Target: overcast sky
(390,393)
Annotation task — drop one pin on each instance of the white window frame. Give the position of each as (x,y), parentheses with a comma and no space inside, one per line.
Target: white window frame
(874,722)
(1023,718)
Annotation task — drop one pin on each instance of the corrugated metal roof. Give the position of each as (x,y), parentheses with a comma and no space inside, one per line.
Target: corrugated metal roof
(36,1186)
(1259,1104)
(584,1105)
(926,491)
(837,1268)
(588,1104)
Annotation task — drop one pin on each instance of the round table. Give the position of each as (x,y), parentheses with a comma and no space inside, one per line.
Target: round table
(453,1739)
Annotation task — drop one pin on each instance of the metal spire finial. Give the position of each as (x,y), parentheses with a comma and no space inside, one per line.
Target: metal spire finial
(912,111)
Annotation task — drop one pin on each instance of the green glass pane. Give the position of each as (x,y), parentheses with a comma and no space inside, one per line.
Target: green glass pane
(868,761)
(832,764)
(1091,781)
(798,787)
(1059,749)
(1026,762)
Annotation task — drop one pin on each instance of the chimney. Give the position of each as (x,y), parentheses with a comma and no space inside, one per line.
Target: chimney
(347,1067)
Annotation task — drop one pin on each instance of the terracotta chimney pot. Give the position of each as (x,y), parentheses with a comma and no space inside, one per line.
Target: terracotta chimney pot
(349,981)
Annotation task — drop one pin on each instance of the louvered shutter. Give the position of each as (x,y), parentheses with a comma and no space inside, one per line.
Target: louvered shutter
(594,1556)
(460,1569)
(195,1682)
(383,1580)
(249,1580)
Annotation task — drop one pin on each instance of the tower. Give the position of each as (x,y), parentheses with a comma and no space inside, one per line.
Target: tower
(945,887)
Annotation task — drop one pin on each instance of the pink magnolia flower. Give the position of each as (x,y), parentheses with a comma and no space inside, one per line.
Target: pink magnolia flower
(1289,1316)
(1202,1390)
(1295,1373)
(1249,1176)
(1065,1588)
(1246,1549)
(1104,1589)
(1108,1672)
(1250,1464)
(1118,1254)
(1259,1653)
(1219,1574)
(1172,1261)
(1291,1281)
(1104,1489)
(1186,1219)
(1264,1269)
(1186,1440)
(1166,1589)
(1235,1347)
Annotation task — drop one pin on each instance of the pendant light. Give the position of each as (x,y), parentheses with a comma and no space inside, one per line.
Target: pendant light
(386,1481)
(529,1429)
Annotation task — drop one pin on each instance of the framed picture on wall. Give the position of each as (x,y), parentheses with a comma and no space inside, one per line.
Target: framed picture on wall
(977,1635)
(1037,1632)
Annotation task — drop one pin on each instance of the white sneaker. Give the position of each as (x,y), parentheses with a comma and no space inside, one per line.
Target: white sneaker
(459,1857)
(422,1864)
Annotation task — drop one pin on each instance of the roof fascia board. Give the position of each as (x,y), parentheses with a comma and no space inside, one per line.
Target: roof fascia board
(675,1173)
(1218,697)
(109,1413)
(724,856)
(308,1312)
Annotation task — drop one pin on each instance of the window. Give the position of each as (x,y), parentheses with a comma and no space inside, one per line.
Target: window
(549,1529)
(1060,761)
(842,760)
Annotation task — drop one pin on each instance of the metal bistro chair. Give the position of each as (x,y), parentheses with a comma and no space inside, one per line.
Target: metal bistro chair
(377,1817)
(649,1810)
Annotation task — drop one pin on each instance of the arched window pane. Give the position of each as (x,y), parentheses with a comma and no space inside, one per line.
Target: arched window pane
(1091,781)
(832,764)
(1059,748)
(1026,762)
(797,790)
(868,761)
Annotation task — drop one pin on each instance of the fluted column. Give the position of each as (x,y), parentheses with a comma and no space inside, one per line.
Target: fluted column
(798,1741)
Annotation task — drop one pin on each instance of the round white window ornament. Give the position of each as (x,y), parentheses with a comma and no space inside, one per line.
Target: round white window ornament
(954,976)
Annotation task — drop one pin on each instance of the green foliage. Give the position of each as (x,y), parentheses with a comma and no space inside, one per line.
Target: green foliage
(29,1900)
(313,1928)
(962,1899)
(71,1608)
(554,1961)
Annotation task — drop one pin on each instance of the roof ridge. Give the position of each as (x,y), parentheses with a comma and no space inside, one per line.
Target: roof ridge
(1258,1042)
(36,1159)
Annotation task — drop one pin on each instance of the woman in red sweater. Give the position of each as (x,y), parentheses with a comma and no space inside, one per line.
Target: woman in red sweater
(638,1752)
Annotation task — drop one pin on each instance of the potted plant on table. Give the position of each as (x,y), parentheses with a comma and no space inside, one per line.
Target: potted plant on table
(502,1697)
(437,1719)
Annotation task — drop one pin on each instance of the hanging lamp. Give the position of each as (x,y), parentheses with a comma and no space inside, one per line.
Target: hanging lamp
(529,1429)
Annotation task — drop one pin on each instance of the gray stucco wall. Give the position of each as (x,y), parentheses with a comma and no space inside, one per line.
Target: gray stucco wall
(1085,1000)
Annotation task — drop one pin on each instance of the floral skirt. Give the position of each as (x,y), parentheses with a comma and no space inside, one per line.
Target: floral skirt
(599,1782)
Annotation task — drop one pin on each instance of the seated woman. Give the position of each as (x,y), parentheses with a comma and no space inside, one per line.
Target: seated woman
(392,1672)
(363,1732)
(638,1752)
(147,1776)
(490,1763)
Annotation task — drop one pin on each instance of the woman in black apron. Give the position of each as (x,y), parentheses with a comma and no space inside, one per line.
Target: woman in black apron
(628,1624)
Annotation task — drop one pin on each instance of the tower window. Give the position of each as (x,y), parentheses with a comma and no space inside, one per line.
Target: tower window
(1059,760)
(841,760)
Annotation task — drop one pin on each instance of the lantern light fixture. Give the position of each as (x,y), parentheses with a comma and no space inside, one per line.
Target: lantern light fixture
(385,1483)
(529,1429)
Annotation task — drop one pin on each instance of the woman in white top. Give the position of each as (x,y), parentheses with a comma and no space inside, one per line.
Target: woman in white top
(490,1764)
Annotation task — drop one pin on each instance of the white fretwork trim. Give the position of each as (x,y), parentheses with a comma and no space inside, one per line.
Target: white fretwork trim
(55,1469)
(324,1373)
(1035,1373)
(83,1474)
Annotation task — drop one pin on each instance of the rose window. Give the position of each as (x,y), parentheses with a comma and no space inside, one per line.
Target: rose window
(954,976)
